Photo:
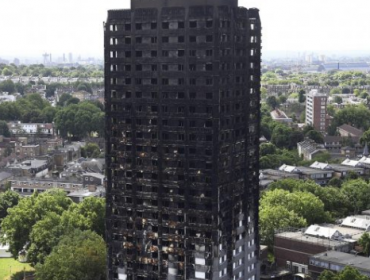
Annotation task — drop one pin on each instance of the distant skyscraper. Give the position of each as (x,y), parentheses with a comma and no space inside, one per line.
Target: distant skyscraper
(70,58)
(316,110)
(182,86)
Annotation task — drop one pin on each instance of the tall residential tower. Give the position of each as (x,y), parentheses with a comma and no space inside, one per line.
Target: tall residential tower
(182,99)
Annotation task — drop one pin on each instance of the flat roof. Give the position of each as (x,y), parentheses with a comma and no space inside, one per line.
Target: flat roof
(300,236)
(361,263)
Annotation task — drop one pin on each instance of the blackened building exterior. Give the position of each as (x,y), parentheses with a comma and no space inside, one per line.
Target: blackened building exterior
(182,118)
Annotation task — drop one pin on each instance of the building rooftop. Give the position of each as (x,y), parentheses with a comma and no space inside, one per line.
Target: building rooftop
(361,263)
(300,236)
(323,232)
(136,4)
(5,175)
(350,129)
(360,222)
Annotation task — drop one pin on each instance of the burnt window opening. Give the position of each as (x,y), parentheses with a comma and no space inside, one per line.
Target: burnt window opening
(193,24)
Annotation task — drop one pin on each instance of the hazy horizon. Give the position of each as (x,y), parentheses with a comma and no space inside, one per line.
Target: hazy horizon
(31,28)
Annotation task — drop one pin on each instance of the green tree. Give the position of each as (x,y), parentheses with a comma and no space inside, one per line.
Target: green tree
(350,273)
(4,129)
(276,218)
(338,100)
(46,233)
(282,99)
(327,275)
(365,138)
(87,215)
(6,72)
(91,150)
(8,200)
(64,99)
(7,86)
(335,182)
(335,91)
(267,149)
(301,96)
(364,242)
(304,204)
(357,191)
(315,136)
(272,102)
(18,224)
(281,136)
(81,255)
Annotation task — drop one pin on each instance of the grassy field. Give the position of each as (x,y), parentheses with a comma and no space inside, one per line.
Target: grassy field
(8,266)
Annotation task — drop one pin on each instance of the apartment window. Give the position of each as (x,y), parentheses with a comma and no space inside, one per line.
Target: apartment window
(139,67)
(192,39)
(209,52)
(193,24)
(153,53)
(180,67)
(193,95)
(139,54)
(127,26)
(153,40)
(164,67)
(165,39)
(127,67)
(192,53)
(113,41)
(181,53)
(165,25)
(209,38)
(181,25)
(209,23)
(139,40)
(153,25)
(139,26)
(165,53)
(181,39)
(180,95)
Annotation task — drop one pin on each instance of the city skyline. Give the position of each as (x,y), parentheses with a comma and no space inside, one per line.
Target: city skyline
(289,27)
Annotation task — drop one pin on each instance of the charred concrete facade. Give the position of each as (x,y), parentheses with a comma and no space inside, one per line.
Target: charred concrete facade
(182,117)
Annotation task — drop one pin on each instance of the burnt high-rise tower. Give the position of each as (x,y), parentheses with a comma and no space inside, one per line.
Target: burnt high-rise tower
(182,86)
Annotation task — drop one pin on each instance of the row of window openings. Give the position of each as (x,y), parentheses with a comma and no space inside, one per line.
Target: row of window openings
(167,150)
(181,39)
(178,95)
(177,81)
(180,123)
(178,25)
(179,67)
(178,53)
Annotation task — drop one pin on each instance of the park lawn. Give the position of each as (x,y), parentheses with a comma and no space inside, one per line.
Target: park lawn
(15,265)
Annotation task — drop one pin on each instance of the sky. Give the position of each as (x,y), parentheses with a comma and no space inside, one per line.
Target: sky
(30,28)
